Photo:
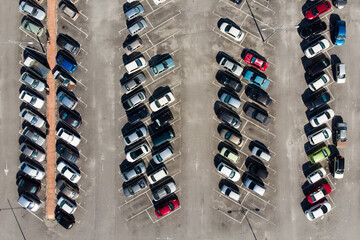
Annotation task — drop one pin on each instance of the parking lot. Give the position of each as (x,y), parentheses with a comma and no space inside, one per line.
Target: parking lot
(188,31)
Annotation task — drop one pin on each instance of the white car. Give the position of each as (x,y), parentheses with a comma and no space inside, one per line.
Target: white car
(320,136)
(135,135)
(228,172)
(322,118)
(164,191)
(231,193)
(158,175)
(316,175)
(253,186)
(29,80)
(69,172)
(317,48)
(157,2)
(232,31)
(138,152)
(31,171)
(231,66)
(66,205)
(136,65)
(230,100)
(31,99)
(318,210)
(32,10)
(32,118)
(340,73)
(260,153)
(319,82)
(69,137)
(29,202)
(161,102)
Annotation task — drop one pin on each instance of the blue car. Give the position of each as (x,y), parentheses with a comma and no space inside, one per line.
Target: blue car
(163,66)
(256,78)
(340,33)
(66,63)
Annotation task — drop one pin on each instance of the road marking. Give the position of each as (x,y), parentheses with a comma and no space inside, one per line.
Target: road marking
(86,35)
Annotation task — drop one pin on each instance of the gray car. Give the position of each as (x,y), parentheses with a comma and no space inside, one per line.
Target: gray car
(32,81)
(67,100)
(32,152)
(164,191)
(135,187)
(258,114)
(137,27)
(229,118)
(34,135)
(134,11)
(133,83)
(134,172)
(67,189)
(31,171)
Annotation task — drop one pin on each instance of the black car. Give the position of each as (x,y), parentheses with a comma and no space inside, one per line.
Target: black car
(318,67)
(313,29)
(67,153)
(65,220)
(318,101)
(28,185)
(138,114)
(229,80)
(257,113)
(68,43)
(237,1)
(162,119)
(258,170)
(70,117)
(258,95)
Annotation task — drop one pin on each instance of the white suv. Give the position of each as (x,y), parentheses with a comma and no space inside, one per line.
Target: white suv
(66,205)
(68,137)
(158,175)
(319,82)
(161,102)
(135,65)
(316,175)
(320,136)
(322,117)
(318,210)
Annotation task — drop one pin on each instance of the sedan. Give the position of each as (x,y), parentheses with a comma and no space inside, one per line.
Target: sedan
(135,65)
(138,114)
(67,205)
(68,136)
(137,27)
(29,202)
(162,119)
(228,172)
(319,81)
(67,153)
(31,99)
(318,101)
(32,118)
(261,153)
(318,210)
(232,136)
(134,100)
(320,136)
(232,31)
(322,118)
(33,11)
(138,152)
(257,113)
(256,78)
(229,154)
(229,118)
(317,10)
(68,171)
(135,135)
(317,48)
(135,187)
(230,192)
(228,80)
(258,95)
(232,66)
(167,208)
(162,101)
(164,191)
(31,171)
(313,29)
(68,43)
(319,193)
(32,81)
(67,100)
(133,83)
(133,172)
(163,66)
(256,62)
(66,189)
(32,152)
(34,135)
(28,185)
(70,117)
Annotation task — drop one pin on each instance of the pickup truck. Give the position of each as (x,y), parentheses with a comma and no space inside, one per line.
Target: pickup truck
(35,65)
(64,79)
(341,133)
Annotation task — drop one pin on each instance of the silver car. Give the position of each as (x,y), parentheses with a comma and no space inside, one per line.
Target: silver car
(33,82)
(31,152)
(67,189)
(134,11)
(34,135)
(133,172)
(29,202)
(164,191)
(137,27)
(67,205)
(32,10)
(31,171)
(133,83)
(134,100)
(132,46)
(135,135)
(138,152)
(135,187)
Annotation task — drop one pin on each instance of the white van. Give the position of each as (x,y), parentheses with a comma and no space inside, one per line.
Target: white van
(158,175)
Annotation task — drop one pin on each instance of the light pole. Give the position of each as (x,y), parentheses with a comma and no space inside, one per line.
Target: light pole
(275,30)
(242,210)
(16,42)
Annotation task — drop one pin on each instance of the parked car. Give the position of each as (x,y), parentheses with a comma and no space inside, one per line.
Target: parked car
(318,210)
(320,136)
(65,220)
(29,202)
(67,153)
(340,73)
(134,100)
(157,2)
(134,11)
(232,136)
(68,137)
(34,135)
(162,101)
(257,113)
(315,28)
(322,117)
(229,154)
(317,10)
(228,80)
(163,154)
(230,99)
(32,118)
(257,62)
(254,186)
(258,95)
(339,167)
(137,27)
(316,175)
(69,9)
(31,171)
(32,152)
(32,10)
(32,27)
(340,33)
(67,100)
(28,185)
(65,79)
(163,137)
(228,172)
(70,117)
(236,1)
(135,65)
(163,191)
(167,208)
(135,135)
(157,175)
(232,30)
(138,114)
(31,99)
(68,171)
(318,101)
(319,81)
(30,80)
(135,187)
(133,172)
(135,44)
(230,192)
(67,205)
(162,66)
(319,155)
(319,193)
(133,83)
(256,78)
(261,153)
(66,189)
(341,134)
(68,43)
(162,119)
(340,3)
(318,67)
(258,170)
(138,152)
(231,66)
(229,118)
(66,62)
(317,48)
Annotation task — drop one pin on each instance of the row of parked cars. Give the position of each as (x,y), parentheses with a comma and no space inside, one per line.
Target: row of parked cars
(135,174)
(229,103)
(320,112)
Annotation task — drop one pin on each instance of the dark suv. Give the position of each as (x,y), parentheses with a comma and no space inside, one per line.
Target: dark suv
(258,170)
(318,67)
(70,117)
(67,153)
(138,114)
(68,43)
(163,137)
(162,119)
(258,95)
(229,80)
(318,101)
(257,113)
(313,29)
(65,220)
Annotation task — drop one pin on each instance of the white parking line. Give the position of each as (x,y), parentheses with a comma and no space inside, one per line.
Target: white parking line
(81,207)
(172,18)
(79,98)
(86,35)
(35,215)
(28,34)
(82,67)
(83,154)
(86,18)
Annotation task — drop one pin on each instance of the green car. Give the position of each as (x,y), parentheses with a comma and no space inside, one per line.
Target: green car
(230,155)
(32,28)
(319,155)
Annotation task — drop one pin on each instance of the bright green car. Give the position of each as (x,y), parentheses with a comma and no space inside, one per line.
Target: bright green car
(319,155)
(230,155)
(32,28)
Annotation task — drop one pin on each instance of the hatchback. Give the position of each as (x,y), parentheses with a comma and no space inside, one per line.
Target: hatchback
(135,65)
(319,155)
(232,66)
(66,189)
(70,117)
(134,100)
(69,9)
(163,137)
(232,136)
(162,119)
(256,78)
(138,152)
(65,79)
(67,205)
(28,185)
(230,99)
(316,175)
(65,220)
(67,153)
(228,172)
(264,155)
(133,172)
(319,81)
(67,63)
(258,170)
(163,66)
(318,67)
(138,114)
(163,154)
(228,80)
(320,136)
(135,44)
(167,208)
(158,175)
(257,113)
(315,28)
(258,95)
(164,191)
(67,100)
(134,11)
(339,167)
(229,154)
(254,186)
(68,43)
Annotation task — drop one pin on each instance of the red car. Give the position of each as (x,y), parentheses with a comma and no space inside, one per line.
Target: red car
(256,62)
(319,193)
(317,10)
(167,208)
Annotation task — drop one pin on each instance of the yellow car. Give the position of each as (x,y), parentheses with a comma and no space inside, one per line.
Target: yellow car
(319,155)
